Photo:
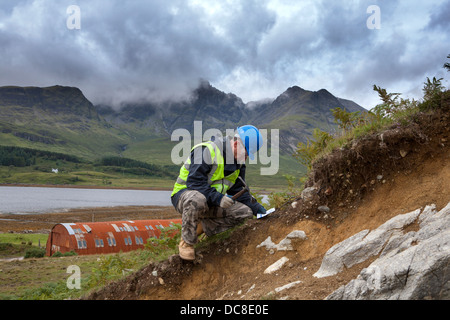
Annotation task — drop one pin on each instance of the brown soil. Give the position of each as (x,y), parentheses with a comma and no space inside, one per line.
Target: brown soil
(414,164)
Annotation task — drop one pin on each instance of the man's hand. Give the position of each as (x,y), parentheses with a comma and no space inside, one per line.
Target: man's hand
(261,209)
(226,202)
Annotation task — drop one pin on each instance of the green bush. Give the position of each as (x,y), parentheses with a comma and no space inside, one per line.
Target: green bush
(352,125)
(306,153)
(167,243)
(65,254)
(34,253)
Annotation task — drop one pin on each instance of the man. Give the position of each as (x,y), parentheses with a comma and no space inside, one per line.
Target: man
(208,180)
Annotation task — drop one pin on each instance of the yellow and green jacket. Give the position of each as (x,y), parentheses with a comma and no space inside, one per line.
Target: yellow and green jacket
(207,171)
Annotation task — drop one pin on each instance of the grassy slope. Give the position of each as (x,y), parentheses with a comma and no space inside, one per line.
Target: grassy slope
(91,140)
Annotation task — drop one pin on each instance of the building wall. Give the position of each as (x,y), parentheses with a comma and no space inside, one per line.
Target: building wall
(104,237)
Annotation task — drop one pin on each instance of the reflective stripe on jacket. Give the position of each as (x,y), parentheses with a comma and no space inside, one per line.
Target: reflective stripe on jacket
(216,178)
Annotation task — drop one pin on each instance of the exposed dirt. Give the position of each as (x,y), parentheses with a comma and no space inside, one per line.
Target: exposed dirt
(383,175)
(43,223)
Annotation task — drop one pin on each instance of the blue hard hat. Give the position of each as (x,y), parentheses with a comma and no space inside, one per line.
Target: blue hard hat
(251,138)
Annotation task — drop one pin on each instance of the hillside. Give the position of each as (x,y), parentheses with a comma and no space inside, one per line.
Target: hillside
(379,177)
(296,112)
(62,120)
(58,119)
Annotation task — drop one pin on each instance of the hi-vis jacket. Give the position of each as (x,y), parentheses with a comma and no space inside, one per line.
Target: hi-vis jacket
(207,171)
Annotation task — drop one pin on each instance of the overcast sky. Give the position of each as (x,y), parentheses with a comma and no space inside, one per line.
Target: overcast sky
(131,50)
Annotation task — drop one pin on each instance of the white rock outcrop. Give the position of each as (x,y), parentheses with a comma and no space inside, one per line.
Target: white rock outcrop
(412,265)
(276,266)
(285,244)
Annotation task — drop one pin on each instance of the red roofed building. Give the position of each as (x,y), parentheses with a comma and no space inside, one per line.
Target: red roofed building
(104,237)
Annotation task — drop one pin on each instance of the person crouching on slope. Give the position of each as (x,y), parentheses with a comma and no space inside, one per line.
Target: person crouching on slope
(207,181)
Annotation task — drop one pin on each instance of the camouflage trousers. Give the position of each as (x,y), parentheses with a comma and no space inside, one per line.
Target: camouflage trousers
(194,210)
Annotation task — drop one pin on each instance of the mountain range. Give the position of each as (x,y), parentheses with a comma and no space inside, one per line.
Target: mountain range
(296,112)
(61,119)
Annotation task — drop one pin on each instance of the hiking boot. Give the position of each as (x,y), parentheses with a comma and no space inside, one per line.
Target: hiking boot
(200,229)
(186,251)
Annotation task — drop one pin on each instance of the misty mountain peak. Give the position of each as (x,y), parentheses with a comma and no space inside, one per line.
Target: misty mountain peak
(295,89)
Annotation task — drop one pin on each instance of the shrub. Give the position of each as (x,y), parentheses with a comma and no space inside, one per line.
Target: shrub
(65,254)
(306,153)
(352,125)
(166,244)
(34,253)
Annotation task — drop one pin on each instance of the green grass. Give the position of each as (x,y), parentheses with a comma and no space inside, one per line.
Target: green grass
(16,238)
(42,278)
(46,278)
(82,173)
(86,173)
(20,238)
(18,245)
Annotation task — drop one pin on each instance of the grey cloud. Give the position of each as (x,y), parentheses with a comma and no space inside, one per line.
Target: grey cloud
(121,44)
(440,17)
(165,51)
(135,50)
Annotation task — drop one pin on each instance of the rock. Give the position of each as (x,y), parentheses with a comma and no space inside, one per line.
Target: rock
(294,204)
(403,153)
(297,234)
(415,265)
(286,286)
(323,209)
(268,243)
(333,263)
(276,266)
(285,244)
(309,193)
(251,288)
(362,246)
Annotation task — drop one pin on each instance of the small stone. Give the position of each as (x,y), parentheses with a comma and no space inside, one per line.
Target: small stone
(297,234)
(308,193)
(276,266)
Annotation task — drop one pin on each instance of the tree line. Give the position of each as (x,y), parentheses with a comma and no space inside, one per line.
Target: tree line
(126,165)
(23,157)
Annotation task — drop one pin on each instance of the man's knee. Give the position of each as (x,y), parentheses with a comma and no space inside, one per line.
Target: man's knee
(239,211)
(192,200)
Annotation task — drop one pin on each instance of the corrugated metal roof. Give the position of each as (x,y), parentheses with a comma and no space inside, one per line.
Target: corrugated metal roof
(104,237)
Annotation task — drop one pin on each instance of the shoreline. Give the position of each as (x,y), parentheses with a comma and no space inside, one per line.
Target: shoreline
(81,186)
(44,222)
